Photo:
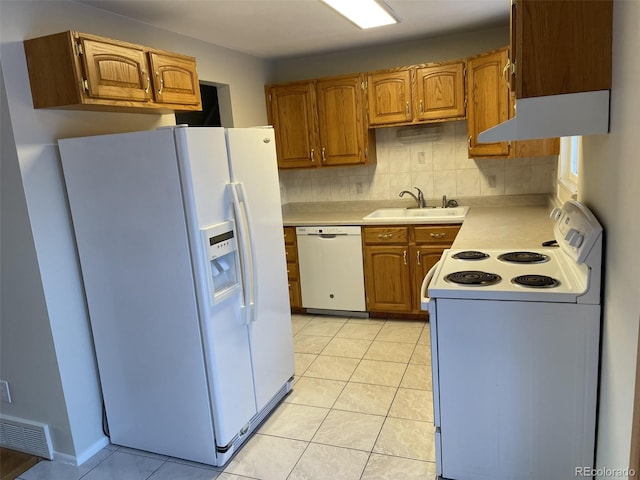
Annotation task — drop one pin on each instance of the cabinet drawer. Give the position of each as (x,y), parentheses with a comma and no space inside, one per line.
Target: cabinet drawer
(291,253)
(292,271)
(383,235)
(436,234)
(295,298)
(289,235)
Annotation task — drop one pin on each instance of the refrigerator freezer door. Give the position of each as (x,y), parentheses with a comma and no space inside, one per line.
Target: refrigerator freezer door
(129,219)
(252,159)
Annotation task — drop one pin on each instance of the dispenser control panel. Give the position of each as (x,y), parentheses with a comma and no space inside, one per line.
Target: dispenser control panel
(223,263)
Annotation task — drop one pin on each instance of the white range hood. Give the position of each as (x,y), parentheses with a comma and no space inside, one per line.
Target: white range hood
(585,113)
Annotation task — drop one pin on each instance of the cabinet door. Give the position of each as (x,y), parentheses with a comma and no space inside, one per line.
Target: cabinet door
(293,117)
(440,92)
(554,55)
(389,97)
(115,72)
(387,278)
(422,258)
(175,79)
(341,121)
(488,102)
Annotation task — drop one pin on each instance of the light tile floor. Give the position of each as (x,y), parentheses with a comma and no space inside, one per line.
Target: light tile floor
(361,409)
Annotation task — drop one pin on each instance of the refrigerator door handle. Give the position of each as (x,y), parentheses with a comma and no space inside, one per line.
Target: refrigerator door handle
(242,247)
(253,298)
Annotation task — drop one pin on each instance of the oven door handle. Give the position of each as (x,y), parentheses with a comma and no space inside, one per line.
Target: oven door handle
(424,300)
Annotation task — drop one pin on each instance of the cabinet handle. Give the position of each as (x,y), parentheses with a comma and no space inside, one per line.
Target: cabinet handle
(421,106)
(404,256)
(161,82)
(469,141)
(385,235)
(146,90)
(406,108)
(324,158)
(437,235)
(418,257)
(505,72)
(313,152)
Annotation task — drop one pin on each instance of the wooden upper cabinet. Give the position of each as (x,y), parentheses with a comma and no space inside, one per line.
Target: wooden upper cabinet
(341,121)
(389,97)
(80,71)
(560,46)
(175,79)
(440,92)
(488,101)
(423,93)
(320,122)
(292,113)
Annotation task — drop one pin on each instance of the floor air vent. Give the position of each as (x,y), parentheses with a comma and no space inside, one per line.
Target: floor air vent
(25,436)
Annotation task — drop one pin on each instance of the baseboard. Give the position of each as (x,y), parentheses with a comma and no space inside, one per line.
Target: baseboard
(87,453)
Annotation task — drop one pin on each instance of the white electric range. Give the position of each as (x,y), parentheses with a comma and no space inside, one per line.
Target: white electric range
(515,350)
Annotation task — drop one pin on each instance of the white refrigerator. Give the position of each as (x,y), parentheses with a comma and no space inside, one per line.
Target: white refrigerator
(180,242)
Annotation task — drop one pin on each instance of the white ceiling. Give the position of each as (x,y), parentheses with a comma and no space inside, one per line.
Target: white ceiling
(286,28)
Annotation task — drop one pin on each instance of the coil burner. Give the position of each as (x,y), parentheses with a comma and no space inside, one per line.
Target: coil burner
(524,257)
(470,255)
(535,281)
(473,277)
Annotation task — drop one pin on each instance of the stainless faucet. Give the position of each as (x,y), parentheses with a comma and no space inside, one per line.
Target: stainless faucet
(419,199)
(448,203)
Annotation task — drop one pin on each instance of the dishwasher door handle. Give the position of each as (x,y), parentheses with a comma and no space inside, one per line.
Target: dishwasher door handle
(328,235)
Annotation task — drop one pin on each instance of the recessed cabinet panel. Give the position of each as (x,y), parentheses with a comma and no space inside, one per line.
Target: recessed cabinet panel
(293,117)
(440,92)
(488,102)
(116,72)
(175,80)
(340,115)
(389,97)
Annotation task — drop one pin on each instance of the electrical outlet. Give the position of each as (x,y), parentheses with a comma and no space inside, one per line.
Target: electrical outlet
(421,159)
(492,181)
(359,187)
(5,395)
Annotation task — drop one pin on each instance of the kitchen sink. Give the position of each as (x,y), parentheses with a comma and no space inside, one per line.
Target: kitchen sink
(423,215)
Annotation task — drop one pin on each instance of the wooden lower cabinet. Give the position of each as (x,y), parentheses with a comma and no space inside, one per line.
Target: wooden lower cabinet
(387,279)
(293,272)
(396,260)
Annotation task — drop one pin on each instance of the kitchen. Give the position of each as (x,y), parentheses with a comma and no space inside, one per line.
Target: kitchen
(38,224)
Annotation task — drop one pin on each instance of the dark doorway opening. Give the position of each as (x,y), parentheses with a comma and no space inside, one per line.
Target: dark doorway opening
(210,114)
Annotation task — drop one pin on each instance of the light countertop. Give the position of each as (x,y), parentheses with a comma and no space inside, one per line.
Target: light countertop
(485,226)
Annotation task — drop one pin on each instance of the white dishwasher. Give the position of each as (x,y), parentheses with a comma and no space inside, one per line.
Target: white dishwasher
(331,271)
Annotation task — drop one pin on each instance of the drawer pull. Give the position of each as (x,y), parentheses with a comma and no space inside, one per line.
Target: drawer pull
(385,235)
(438,235)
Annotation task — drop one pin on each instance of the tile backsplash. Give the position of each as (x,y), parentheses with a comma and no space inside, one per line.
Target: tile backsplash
(433,158)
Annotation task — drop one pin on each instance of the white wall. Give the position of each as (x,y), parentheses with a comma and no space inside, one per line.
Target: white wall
(421,50)
(611,173)
(48,322)
(24,326)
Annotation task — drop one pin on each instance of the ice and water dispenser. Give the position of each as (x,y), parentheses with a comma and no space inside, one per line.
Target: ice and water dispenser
(222,253)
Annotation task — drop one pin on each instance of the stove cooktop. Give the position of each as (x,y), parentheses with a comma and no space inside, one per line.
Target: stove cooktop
(535,275)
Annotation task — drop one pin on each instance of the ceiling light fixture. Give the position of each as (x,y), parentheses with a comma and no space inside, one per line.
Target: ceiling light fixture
(364,13)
